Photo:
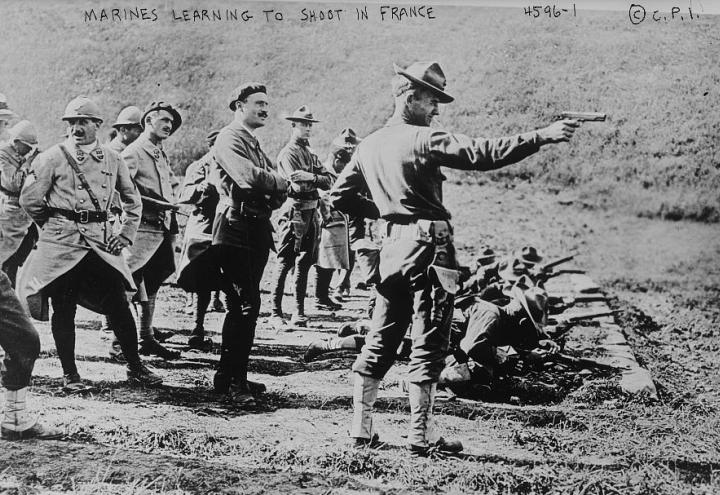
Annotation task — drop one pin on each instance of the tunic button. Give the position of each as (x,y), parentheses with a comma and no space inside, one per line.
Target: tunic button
(80,187)
(83,229)
(82,200)
(104,186)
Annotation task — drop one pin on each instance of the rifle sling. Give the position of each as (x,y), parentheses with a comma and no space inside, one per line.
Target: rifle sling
(81,177)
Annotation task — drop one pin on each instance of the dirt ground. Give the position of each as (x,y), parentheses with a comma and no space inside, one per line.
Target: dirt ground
(662,277)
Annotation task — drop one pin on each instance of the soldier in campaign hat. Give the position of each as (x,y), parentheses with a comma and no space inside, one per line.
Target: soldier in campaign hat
(128,126)
(18,233)
(152,256)
(487,326)
(400,164)
(250,188)
(300,217)
(78,257)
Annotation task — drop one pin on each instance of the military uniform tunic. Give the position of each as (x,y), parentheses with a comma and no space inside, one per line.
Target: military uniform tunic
(150,170)
(400,166)
(63,242)
(14,221)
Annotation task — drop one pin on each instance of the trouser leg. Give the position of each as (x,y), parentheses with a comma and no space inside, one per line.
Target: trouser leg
(365,390)
(146,315)
(302,268)
(323,277)
(63,298)
(345,282)
(18,338)
(16,260)
(203,300)
(286,265)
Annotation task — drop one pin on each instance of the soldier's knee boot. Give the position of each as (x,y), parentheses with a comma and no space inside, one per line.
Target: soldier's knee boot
(365,390)
(423,437)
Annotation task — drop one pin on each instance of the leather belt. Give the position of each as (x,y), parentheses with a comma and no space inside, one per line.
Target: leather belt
(81,216)
(430,231)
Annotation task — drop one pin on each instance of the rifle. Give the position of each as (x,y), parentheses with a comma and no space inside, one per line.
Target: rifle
(580,362)
(557,305)
(584,116)
(581,317)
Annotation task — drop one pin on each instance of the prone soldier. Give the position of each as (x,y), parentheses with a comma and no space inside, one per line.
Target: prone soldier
(400,165)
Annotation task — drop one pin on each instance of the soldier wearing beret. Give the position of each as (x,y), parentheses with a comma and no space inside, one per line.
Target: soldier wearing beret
(300,218)
(152,256)
(249,188)
(18,233)
(400,165)
(78,257)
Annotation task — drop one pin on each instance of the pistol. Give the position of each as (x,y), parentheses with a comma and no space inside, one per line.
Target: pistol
(584,116)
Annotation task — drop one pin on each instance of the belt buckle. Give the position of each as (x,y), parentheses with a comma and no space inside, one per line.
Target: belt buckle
(84,216)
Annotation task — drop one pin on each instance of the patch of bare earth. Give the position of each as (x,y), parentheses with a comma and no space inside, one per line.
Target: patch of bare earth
(589,438)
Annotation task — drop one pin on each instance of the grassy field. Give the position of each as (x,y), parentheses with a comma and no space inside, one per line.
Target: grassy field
(658,82)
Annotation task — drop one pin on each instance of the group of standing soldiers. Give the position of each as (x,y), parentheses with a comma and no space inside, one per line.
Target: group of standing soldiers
(107,222)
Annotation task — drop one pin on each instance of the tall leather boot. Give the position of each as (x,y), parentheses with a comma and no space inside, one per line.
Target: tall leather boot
(285,267)
(17,424)
(365,390)
(423,438)
(298,318)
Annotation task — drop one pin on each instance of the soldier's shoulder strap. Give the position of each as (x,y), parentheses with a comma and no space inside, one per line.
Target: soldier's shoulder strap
(81,177)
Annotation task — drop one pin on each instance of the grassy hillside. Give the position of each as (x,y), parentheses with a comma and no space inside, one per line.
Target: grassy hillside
(658,82)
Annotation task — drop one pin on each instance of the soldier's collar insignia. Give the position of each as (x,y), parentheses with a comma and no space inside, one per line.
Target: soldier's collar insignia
(98,154)
(80,156)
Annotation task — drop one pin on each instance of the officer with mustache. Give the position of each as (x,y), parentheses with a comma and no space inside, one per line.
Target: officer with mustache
(152,258)
(250,188)
(68,193)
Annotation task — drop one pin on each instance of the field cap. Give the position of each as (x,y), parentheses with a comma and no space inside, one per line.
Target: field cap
(243,91)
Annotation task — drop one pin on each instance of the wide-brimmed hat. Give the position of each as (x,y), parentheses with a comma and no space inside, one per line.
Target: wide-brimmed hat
(485,257)
(302,114)
(5,112)
(511,269)
(82,107)
(24,132)
(243,91)
(428,75)
(529,255)
(534,302)
(347,139)
(128,116)
(167,107)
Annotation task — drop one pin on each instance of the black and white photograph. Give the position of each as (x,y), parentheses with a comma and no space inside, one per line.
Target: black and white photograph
(356,247)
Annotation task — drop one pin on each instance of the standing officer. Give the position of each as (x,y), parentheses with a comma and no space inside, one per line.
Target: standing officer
(400,166)
(300,220)
(128,128)
(77,259)
(249,188)
(18,233)
(152,256)
(334,252)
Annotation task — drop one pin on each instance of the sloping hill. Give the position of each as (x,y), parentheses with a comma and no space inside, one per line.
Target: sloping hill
(658,82)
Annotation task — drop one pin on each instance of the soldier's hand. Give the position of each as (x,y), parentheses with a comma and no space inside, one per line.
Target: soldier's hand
(549,345)
(559,131)
(302,176)
(116,244)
